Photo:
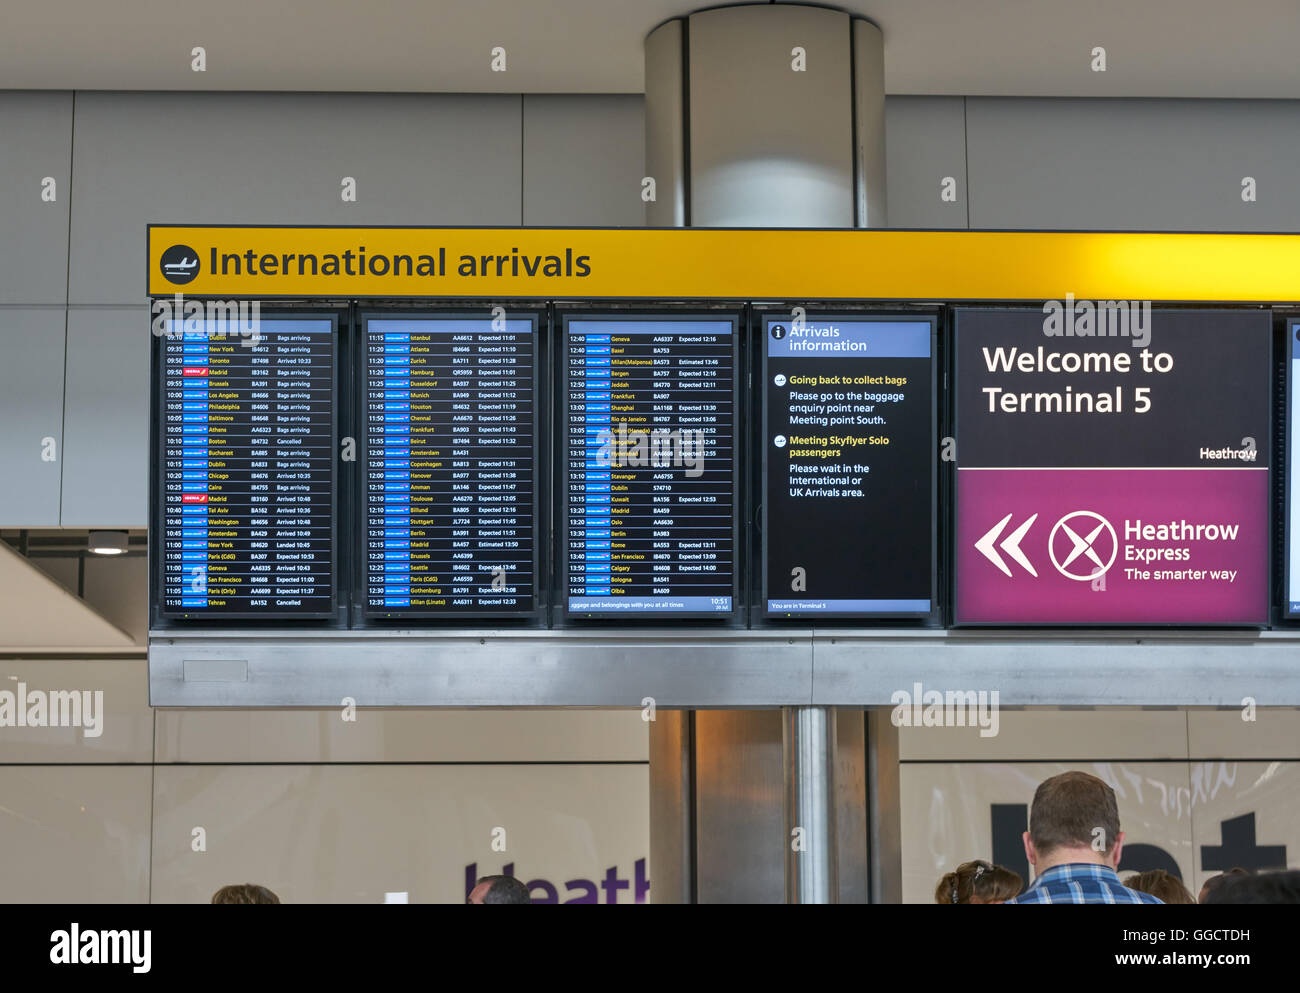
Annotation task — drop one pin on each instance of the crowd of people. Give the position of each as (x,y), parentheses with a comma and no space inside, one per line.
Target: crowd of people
(1075,846)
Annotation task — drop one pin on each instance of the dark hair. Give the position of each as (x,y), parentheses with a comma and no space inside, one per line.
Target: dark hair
(244,893)
(505,889)
(1159,883)
(1263,887)
(1218,880)
(1069,809)
(977,879)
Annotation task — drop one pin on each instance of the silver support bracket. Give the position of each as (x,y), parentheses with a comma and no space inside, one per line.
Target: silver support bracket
(700,668)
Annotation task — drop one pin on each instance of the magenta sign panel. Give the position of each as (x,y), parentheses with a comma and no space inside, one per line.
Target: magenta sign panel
(1117,478)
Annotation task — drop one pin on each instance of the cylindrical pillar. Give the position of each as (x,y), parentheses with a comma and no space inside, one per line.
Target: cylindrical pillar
(812,874)
(869,123)
(765,115)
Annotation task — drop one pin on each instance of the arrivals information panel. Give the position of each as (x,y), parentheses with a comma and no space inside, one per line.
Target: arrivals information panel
(649,466)
(849,460)
(450,408)
(246,431)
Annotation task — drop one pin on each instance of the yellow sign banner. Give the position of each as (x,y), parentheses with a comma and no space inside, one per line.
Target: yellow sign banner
(710,263)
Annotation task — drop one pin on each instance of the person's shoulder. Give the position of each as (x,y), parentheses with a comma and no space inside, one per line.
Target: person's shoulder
(1034,895)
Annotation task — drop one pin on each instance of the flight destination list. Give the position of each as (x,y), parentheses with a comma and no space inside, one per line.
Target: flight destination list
(247,449)
(849,458)
(450,461)
(649,470)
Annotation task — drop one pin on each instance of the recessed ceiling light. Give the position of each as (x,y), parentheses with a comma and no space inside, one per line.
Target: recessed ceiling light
(107,542)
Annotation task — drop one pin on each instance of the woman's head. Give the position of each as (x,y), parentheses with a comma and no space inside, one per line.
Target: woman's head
(1160,884)
(977,882)
(244,893)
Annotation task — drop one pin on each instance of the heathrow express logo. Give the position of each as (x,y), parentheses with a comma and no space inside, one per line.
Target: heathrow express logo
(179,264)
(1082,545)
(1082,529)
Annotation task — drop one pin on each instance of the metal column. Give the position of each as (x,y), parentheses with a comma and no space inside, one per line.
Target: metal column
(811,869)
(767,115)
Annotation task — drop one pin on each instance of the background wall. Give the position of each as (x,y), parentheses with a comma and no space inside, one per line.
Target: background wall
(315,807)
(170,805)
(1207,788)
(72,304)
(321,809)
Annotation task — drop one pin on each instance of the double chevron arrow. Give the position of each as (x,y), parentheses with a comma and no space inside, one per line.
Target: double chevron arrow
(1011,545)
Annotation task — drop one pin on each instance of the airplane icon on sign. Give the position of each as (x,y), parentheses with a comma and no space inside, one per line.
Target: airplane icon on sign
(1010,545)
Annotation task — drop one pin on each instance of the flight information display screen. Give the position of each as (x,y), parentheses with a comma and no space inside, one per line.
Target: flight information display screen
(450,458)
(1292,604)
(246,429)
(849,466)
(648,473)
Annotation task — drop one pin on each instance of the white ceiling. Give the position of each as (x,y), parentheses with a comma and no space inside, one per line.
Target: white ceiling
(1189,48)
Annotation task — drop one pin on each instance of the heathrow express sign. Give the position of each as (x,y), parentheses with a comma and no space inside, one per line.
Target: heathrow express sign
(1119,479)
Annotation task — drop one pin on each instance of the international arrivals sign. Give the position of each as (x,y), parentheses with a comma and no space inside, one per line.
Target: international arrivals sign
(707,263)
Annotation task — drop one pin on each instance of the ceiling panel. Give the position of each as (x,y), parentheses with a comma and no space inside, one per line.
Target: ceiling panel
(38,614)
(1188,48)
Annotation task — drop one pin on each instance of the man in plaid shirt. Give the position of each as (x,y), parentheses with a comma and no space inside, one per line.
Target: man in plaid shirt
(1074,844)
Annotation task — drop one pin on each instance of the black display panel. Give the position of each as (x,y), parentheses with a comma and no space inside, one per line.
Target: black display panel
(246,434)
(848,466)
(1291,596)
(648,477)
(449,409)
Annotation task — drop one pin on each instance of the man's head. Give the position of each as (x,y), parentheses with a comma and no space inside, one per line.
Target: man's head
(1215,881)
(1074,818)
(499,889)
(244,893)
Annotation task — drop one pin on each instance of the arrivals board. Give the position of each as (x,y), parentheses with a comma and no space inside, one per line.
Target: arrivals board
(450,409)
(246,448)
(1112,465)
(849,462)
(648,471)
(1291,598)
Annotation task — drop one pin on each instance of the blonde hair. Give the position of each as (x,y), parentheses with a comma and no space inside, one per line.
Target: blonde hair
(991,883)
